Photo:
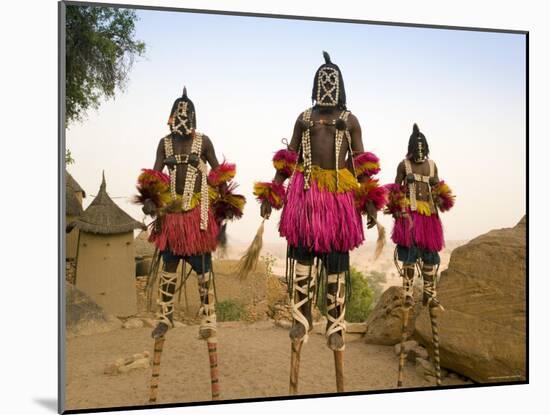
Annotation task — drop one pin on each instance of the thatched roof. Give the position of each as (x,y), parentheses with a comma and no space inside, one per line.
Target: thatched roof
(71,183)
(73,207)
(142,246)
(72,204)
(103,216)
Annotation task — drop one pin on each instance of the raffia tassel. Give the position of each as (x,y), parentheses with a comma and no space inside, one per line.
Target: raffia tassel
(380,241)
(249,261)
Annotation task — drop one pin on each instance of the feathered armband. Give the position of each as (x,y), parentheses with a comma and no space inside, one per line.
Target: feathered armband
(225,203)
(224,173)
(272,192)
(366,165)
(443,196)
(153,185)
(285,161)
(370,191)
(397,199)
(228,205)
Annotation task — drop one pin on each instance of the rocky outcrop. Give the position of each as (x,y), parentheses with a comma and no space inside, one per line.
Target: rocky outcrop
(385,320)
(482,330)
(84,316)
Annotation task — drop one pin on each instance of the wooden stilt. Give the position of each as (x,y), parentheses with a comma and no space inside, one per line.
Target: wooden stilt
(296,348)
(159,344)
(402,356)
(435,334)
(214,375)
(339,366)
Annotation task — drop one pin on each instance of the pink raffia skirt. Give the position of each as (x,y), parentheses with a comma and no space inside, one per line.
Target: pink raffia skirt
(320,220)
(425,232)
(181,233)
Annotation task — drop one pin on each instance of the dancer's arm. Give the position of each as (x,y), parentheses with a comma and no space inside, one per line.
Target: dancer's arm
(209,152)
(357,148)
(279,178)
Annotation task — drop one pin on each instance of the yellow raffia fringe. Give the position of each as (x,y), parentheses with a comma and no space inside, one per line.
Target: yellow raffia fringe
(326,179)
(423,208)
(174,206)
(281,164)
(363,167)
(263,191)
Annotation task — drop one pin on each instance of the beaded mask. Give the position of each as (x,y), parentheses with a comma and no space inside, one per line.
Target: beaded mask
(182,117)
(328,86)
(418,150)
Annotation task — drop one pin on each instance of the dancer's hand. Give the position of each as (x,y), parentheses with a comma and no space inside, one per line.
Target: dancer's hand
(372,213)
(265,209)
(148,207)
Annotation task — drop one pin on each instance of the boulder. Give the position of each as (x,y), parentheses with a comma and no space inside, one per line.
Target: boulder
(417,352)
(384,323)
(407,347)
(83,316)
(482,330)
(424,368)
(356,328)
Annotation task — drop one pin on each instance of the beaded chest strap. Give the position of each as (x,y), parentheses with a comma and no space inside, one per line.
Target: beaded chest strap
(306,144)
(190,177)
(422,179)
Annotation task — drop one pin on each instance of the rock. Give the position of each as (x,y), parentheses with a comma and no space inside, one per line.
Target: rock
(417,351)
(407,347)
(133,323)
(385,321)
(482,330)
(429,378)
(111,369)
(424,367)
(124,365)
(356,328)
(142,363)
(83,316)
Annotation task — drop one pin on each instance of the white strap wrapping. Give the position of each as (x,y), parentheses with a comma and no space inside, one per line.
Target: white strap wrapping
(167,286)
(207,312)
(337,324)
(300,284)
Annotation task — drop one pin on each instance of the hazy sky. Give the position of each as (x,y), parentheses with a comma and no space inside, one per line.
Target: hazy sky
(250,78)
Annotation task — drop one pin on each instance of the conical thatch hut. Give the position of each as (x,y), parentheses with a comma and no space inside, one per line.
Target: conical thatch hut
(105,262)
(73,209)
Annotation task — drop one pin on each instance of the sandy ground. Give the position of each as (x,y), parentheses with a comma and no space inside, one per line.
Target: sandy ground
(254,361)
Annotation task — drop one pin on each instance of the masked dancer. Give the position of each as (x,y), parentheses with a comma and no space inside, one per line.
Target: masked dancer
(415,200)
(190,205)
(330,186)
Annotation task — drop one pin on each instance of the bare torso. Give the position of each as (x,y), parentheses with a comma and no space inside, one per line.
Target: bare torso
(422,190)
(322,139)
(182,145)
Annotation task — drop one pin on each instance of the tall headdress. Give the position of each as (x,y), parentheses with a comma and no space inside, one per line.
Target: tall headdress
(418,149)
(182,116)
(328,85)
